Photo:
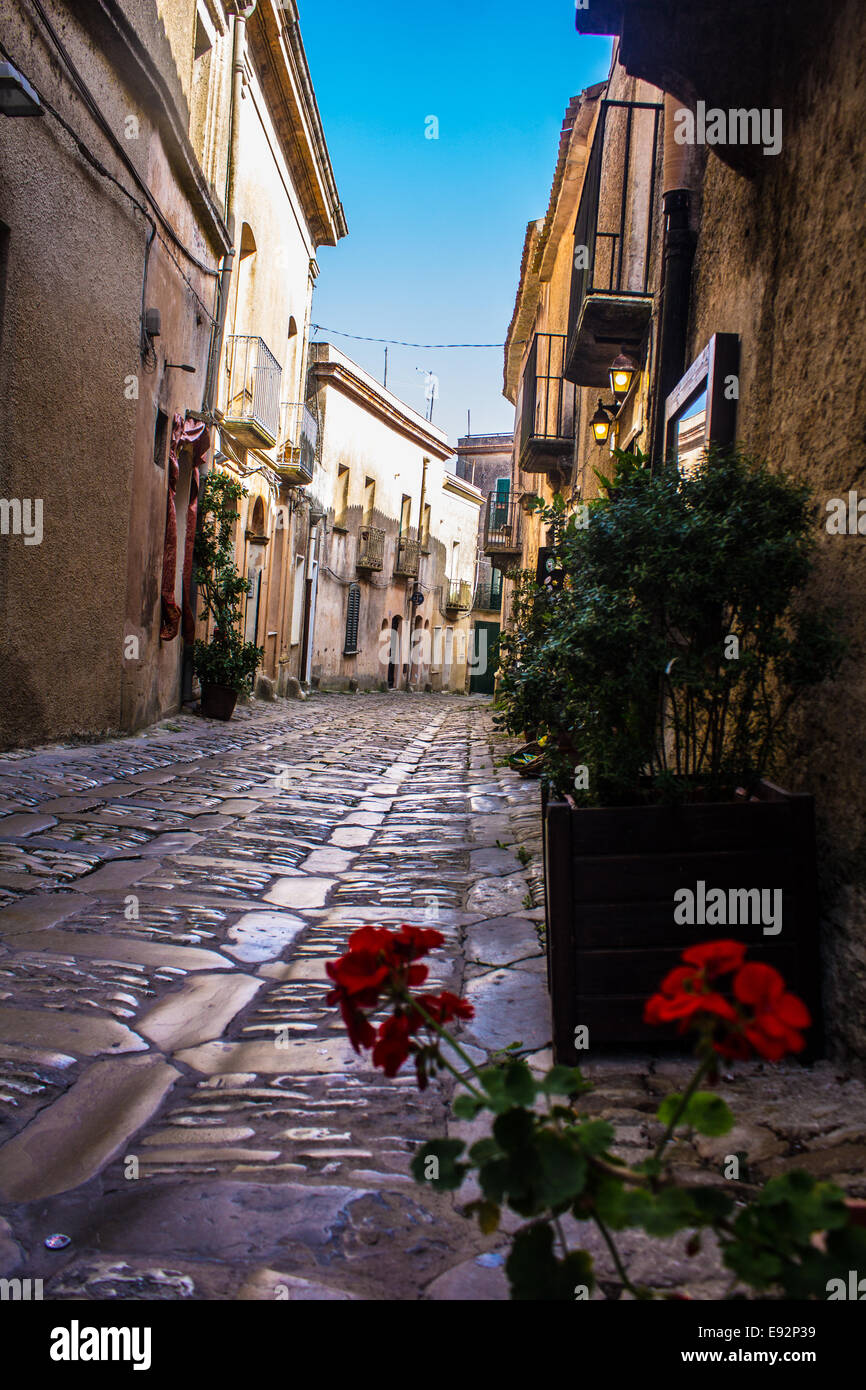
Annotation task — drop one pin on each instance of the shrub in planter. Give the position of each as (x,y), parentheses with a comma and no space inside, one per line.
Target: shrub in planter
(226,666)
(659,671)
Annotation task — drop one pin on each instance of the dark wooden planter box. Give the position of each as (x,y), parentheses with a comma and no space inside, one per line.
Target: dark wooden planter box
(610,877)
(218,701)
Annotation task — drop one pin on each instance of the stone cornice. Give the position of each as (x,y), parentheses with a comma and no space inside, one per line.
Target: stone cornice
(451,483)
(277,49)
(387,408)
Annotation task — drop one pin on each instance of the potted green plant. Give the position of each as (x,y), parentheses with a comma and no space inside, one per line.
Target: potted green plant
(660,671)
(226,665)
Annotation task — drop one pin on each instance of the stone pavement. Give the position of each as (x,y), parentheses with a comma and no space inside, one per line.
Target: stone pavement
(174,1094)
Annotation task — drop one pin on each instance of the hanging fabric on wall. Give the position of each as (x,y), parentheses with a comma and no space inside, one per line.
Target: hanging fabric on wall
(194,435)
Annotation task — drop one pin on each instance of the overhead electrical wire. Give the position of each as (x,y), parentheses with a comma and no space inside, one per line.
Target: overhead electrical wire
(397,342)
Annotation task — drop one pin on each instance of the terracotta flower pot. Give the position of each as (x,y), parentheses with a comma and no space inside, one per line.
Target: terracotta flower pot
(218,701)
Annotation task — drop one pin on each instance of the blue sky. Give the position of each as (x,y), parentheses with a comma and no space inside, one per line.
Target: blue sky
(436,226)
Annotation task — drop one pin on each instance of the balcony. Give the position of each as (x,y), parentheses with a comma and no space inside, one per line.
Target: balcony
(408,557)
(253,375)
(299,434)
(458,598)
(547,417)
(503,538)
(371,548)
(611,301)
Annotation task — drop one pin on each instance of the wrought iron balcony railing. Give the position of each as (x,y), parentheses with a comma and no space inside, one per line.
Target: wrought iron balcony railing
(547,415)
(253,375)
(459,596)
(502,526)
(408,558)
(299,433)
(611,298)
(371,548)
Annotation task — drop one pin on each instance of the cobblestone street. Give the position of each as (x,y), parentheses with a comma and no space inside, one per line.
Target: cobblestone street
(168,903)
(175,1095)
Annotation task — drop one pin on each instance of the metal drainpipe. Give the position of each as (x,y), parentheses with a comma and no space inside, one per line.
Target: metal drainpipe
(679,251)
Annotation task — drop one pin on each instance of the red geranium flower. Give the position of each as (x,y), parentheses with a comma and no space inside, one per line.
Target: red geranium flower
(392,1045)
(778,1016)
(716,957)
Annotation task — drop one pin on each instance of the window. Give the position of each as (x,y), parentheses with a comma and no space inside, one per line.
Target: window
(369,500)
(702,408)
(160,438)
(449,654)
(454,573)
(500,509)
(353,611)
(405,515)
(436,654)
(341,498)
(298,592)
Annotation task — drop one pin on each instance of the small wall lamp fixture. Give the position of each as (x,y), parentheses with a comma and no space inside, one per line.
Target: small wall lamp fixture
(623,370)
(180,366)
(600,424)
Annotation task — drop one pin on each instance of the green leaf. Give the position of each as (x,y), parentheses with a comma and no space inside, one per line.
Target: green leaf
(466,1107)
(563,1170)
(564,1081)
(535,1273)
(484,1150)
(594,1136)
(436,1162)
(519,1083)
(487,1213)
(705,1112)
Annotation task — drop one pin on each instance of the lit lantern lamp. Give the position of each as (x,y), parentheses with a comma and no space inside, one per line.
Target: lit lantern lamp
(600,424)
(623,370)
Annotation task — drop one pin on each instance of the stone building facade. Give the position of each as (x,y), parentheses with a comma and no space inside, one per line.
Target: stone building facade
(485,461)
(755,241)
(159,218)
(394,544)
(106,214)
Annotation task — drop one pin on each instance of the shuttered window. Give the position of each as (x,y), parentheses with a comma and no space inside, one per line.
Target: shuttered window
(353,612)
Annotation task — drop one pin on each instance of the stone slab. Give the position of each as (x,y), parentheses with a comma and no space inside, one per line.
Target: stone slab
(314,1055)
(510,1006)
(84,1035)
(19,826)
(501,940)
(262,936)
(328,861)
(122,948)
(300,892)
(73,1138)
(42,910)
(269,1285)
(199,1011)
(497,897)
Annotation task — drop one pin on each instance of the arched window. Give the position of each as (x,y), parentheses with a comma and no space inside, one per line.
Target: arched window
(353,613)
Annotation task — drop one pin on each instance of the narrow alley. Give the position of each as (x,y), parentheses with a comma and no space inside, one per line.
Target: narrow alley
(176,1095)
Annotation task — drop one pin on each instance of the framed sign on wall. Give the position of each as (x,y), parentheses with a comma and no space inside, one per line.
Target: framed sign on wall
(702,408)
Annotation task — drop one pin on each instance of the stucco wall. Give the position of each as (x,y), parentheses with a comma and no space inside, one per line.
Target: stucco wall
(69,414)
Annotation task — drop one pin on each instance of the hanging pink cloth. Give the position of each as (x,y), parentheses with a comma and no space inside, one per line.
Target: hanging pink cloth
(184,434)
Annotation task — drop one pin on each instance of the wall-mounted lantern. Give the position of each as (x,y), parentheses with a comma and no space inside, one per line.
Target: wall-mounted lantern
(17,97)
(623,370)
(600,424)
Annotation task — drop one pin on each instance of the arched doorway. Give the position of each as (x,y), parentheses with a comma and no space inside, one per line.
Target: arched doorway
(394,654)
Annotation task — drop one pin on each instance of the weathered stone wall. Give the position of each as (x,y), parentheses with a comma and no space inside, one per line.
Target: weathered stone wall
(71,429)
(779,261)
